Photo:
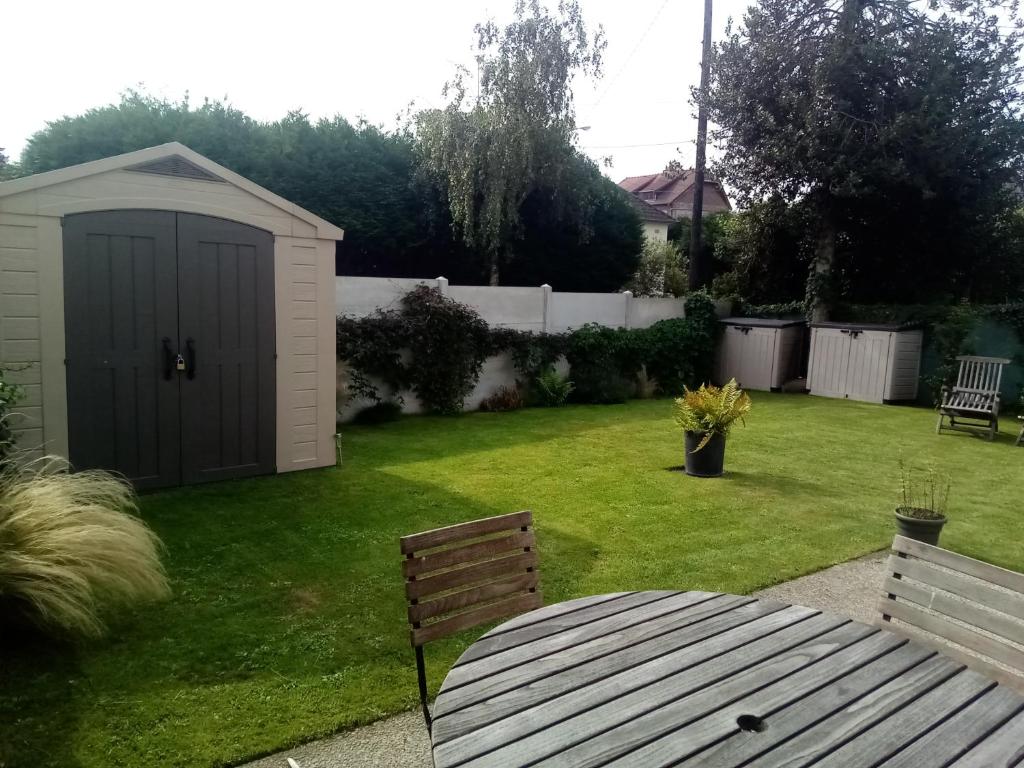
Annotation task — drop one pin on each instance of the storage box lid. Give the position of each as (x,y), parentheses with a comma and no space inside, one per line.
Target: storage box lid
(868,326)
(763,322)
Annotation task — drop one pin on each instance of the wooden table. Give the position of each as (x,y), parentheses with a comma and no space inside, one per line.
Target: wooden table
(702,679)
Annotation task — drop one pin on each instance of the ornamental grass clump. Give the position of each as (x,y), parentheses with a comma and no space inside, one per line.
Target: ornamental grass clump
(72,549)
(924,492)
(711,410)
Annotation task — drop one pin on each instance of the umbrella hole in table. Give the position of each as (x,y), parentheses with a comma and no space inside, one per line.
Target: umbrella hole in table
(751,723)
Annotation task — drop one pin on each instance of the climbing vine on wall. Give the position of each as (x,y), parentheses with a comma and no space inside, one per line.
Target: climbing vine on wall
(436,347)
(433,345)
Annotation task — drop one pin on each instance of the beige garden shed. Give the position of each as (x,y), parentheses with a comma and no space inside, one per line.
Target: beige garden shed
(874,363)
(168,319)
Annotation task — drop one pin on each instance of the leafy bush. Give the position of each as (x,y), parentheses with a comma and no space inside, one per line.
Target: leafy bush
(378,413)
(433,345)
(711,410)
(436,347)
(448,343)
(950,339)
(531,352)
(372,346)
(603,361)
(551,389)
(504,398)
(658,271)
(10,394)
(71,548)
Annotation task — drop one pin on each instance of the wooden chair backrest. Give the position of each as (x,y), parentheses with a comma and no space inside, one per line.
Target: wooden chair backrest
(470,574)
(972,605)
(980,375)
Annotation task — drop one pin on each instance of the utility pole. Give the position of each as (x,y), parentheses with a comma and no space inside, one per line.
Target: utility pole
(700,269)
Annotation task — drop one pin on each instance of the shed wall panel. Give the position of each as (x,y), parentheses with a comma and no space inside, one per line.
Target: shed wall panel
(906,366)
(306,361)
(20,328)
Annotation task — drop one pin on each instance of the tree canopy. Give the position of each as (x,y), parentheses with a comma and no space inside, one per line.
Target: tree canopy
(365,179)
(506,162)
(896,124)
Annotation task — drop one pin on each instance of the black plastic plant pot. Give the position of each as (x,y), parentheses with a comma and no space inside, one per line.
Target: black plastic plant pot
(925,531)
(709,460)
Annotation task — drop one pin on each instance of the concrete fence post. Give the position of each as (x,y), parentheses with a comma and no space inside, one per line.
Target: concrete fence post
(442,285)
(545,300)
(629,309)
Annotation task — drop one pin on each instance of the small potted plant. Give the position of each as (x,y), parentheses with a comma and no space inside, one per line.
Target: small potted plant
(923,498)
(706,416)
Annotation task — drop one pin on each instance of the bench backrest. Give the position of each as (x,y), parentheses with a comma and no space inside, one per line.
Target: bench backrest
(470,574)
(977,609)
(980,375)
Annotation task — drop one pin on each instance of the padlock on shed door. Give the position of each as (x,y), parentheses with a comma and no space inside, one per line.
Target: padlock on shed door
(179,363)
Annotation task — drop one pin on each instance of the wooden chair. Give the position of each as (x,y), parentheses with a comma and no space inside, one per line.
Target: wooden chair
(975,397)
(466,575)
(975,607)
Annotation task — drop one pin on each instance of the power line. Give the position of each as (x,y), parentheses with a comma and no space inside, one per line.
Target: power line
(632,146)
(632,53)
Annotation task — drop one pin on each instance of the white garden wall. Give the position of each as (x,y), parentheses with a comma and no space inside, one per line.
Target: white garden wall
(540,309)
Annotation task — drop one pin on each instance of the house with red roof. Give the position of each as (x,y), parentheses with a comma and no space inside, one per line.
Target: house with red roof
(672,193)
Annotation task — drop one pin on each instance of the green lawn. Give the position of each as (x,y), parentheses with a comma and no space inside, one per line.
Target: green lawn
(287,620)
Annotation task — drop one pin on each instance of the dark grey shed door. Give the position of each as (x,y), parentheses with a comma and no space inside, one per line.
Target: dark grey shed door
(142,288)
(226,301)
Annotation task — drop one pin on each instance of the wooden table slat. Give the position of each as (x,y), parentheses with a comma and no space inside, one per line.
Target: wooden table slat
(527,652)
(500,639)
(887,734)
(658,657)
(617,714)
(615,650)
(948,741)
(1002,747)
(716,717)
(549,612)
(893,678)
(657,679)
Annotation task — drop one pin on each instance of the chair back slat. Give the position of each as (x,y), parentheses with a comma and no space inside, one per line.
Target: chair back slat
(422,586)
(976,606)
(980,375)
(460,555)
(463,532)
(470,574)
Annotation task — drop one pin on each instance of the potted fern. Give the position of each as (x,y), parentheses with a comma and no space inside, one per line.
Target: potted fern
(923,498)
(706,416)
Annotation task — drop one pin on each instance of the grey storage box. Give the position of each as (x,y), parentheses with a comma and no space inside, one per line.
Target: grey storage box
(871,363)
(760,353)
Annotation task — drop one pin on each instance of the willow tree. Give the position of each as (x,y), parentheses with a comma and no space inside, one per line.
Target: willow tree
(489,153)
(887,119)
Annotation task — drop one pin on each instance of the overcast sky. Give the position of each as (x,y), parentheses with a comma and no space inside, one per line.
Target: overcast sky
(369,58)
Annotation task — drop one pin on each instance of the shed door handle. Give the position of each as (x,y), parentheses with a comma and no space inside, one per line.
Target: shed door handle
(168,357)
(190,354)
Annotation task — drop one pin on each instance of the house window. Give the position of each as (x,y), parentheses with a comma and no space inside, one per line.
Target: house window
(648,195)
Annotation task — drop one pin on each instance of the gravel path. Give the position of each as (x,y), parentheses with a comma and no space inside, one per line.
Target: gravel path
(849,589)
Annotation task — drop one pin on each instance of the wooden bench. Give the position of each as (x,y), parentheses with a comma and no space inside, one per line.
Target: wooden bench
(975,607)
(974,400)
(466,575)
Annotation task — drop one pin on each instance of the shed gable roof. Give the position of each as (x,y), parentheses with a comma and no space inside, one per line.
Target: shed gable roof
(172,159)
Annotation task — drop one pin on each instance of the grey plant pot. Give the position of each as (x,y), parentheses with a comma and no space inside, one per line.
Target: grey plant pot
(926,531)
(709,460)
